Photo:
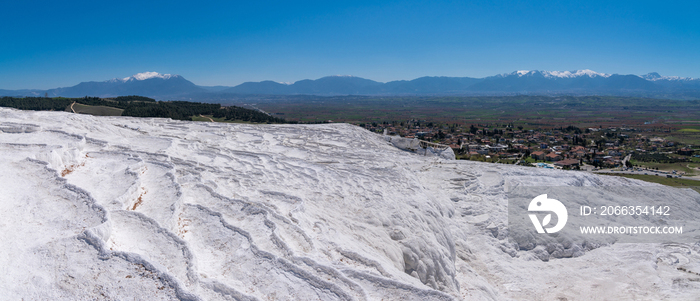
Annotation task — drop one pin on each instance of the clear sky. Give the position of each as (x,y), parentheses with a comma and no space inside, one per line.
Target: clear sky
(49,44)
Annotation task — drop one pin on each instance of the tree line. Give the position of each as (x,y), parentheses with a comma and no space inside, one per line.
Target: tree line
(36,103)
(139,106)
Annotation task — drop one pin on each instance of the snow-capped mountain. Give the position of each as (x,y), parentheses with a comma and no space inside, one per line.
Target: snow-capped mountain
(149,75)
(558,74)
(151,84)
(143,76)
(114,208)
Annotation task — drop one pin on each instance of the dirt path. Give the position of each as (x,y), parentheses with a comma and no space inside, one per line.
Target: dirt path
(200,115)
(71,107)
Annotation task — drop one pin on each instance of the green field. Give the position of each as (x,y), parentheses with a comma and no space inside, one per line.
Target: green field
(683,136)
(690,168)
(95,110)
(200,118)
(663,180)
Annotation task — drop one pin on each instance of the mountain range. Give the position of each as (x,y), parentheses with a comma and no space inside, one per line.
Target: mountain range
(579,82)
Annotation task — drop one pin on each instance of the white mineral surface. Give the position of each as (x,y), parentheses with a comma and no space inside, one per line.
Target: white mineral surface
(118,208)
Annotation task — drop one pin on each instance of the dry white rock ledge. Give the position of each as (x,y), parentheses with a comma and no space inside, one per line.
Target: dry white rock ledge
(120,208)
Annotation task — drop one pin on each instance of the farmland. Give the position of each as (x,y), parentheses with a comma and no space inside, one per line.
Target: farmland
(531,112)
(95,110)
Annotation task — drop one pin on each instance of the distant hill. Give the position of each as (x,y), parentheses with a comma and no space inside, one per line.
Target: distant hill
(214,88)
(578,82)
(330,85)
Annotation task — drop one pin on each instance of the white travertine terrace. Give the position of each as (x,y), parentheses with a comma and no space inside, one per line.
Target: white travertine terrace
(155,209)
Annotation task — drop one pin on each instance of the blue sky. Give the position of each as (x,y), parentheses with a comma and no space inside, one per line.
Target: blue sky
(48,44)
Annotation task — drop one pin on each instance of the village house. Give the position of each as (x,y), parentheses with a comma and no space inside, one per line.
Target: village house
(685,151)
(567,163)
(538,155)
(552,157)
